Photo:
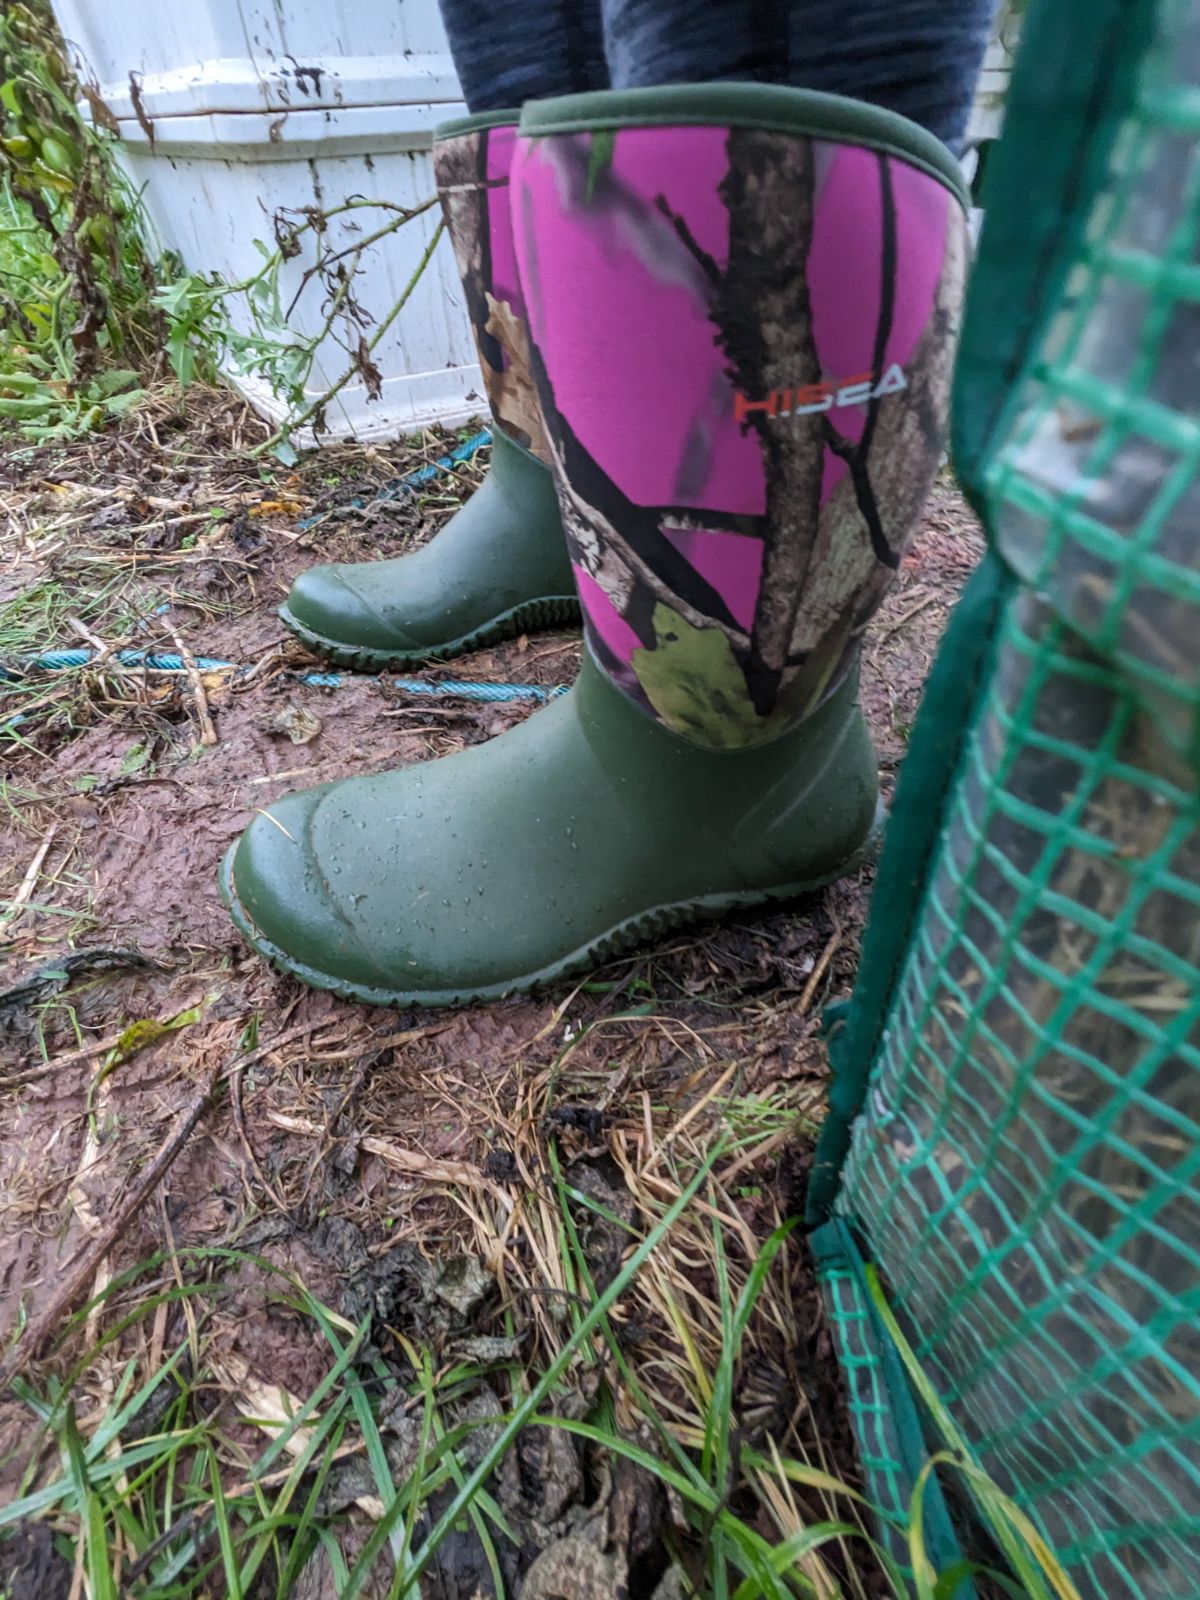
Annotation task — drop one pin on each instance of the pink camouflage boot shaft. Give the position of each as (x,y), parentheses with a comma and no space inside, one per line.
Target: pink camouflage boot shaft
(743,304)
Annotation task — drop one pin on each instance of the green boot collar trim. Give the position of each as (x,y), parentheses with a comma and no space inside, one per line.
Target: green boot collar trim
(750,105)
(481,120)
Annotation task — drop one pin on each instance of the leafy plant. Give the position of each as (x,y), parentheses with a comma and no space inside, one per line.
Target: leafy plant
(91,312)
(78,327)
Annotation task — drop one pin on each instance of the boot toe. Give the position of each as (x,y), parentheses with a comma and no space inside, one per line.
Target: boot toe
(283,900)
(325,603)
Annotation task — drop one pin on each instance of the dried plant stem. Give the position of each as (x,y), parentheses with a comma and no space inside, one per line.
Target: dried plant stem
(310,411)
(208,733)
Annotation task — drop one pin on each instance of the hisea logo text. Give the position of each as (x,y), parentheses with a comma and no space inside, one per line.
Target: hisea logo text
(859,390)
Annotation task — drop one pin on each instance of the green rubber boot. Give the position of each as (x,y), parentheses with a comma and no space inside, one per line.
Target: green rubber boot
(499,566)
(583,832)
(734,506)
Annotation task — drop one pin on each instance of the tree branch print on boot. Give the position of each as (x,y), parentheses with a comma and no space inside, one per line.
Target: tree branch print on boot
(472,171)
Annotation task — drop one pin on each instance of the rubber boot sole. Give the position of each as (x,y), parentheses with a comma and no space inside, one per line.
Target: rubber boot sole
(635,932)
(532,615)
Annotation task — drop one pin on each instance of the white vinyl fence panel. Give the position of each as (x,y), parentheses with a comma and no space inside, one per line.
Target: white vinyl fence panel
(234,111)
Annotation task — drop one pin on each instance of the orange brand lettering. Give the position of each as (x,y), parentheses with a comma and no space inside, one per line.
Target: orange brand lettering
(743,407)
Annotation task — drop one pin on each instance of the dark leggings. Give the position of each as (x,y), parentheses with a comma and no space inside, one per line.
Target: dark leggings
(917,57)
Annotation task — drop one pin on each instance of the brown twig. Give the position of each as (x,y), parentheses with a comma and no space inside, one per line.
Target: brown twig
(882,634)
(29,881)
(239,1122)
(103,651)
(413,1163)
(78,1276)
(357,1079)
(208,733)
(73,1058)
(311,410)
(821,968)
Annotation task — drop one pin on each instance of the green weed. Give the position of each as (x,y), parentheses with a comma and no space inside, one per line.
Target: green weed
(165,1494)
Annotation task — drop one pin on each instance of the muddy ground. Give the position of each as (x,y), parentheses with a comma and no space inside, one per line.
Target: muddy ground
(349,1146)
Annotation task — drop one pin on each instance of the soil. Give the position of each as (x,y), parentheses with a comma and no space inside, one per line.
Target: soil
(336,1152)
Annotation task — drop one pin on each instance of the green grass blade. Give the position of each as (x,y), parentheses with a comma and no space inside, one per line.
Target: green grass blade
(714,1462)
(323,1438)
(337,1562)
(91,1512)
(309,1529)
(924,1575)
(377,1459)
(118,1418)
(714,1457)
(946,1587)
(794,1549)
(416,1481)
(757,1277)
(234,1589)
(751,1550)
(341,1366)
(668,1440)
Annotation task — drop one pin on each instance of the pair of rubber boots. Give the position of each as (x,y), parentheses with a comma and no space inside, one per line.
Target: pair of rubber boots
(717,328)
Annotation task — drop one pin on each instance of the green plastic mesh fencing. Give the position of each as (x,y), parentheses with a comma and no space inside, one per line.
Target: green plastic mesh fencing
(1025,1164)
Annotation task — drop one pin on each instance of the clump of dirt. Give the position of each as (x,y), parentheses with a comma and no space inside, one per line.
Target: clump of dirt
(31,1567)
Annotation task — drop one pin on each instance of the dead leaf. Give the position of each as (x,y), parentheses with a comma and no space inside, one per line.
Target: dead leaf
(292,721)
(275,508)
(371,376)
(101,115)
(139,110)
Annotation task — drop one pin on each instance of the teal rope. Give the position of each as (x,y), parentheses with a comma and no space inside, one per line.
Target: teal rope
(69,660)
